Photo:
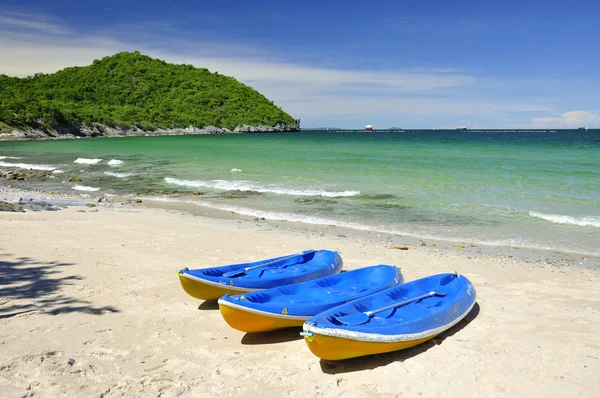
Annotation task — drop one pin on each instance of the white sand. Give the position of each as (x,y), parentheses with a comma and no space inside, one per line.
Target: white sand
(115,307)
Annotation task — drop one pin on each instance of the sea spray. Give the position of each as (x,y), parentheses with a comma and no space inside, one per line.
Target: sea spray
(87,161)
(118,175)
(85,188)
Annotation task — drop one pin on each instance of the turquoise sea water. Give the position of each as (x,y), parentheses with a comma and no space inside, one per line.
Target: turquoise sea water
(531,190)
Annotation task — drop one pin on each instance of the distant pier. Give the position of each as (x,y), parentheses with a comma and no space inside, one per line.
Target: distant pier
(453,130)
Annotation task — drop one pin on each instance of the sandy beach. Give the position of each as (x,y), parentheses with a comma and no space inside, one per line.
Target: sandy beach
(90,306)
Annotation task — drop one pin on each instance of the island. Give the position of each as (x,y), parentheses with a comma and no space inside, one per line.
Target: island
(133,94)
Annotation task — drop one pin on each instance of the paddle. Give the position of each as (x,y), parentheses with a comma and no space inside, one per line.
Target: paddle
(359,318)
(240,272)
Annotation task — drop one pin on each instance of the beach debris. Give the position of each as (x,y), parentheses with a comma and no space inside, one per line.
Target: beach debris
(238,193)
(399,247)
(74,179)
(71,361)
(138,201)
(392,206)
(22,174)
(5,206)
(459,245)
(340,235)
(422,243)
(314,200)
(169,192)
(27,204)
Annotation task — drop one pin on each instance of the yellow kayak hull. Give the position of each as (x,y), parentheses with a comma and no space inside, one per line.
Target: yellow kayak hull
(207,291)
(252,322)
(337,348)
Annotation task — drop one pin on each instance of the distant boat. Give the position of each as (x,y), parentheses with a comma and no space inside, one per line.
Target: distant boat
(462,128)
(582,128)
(368,127)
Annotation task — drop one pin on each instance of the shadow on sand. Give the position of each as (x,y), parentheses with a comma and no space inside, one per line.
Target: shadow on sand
(209,305)
(377,360)
(32,286)
(274,337)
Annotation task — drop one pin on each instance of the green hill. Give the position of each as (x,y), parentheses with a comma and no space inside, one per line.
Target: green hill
(131,90)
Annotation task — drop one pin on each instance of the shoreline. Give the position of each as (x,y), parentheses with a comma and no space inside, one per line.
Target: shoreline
(538,256)
(101,131)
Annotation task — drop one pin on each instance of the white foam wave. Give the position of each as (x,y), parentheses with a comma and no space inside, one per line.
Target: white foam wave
(234,170)
(115,162)
(118,175)
(28,166)
(87,161)
(10,157)
(85,188)
(57,171)
(560,219)
(250,186)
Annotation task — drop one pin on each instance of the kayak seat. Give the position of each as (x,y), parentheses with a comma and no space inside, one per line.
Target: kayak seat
(288,289)
(258,298)
(326,282)
(210,272)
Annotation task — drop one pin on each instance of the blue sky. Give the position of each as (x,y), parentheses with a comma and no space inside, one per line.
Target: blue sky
(348,63)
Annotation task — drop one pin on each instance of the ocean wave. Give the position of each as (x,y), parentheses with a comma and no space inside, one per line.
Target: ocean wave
(560,219)
(118,175)
(234,170)
(115,162)
(85,188)
(87,161)
(249,186)
(10,157)
(57,171)
(28,166)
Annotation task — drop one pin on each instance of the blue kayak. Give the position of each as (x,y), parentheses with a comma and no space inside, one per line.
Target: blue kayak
(291,305)
(212,283)
(391,320)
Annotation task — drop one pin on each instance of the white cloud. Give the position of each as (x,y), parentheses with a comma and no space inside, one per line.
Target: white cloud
(27,21)
(25,55)
(569,119)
